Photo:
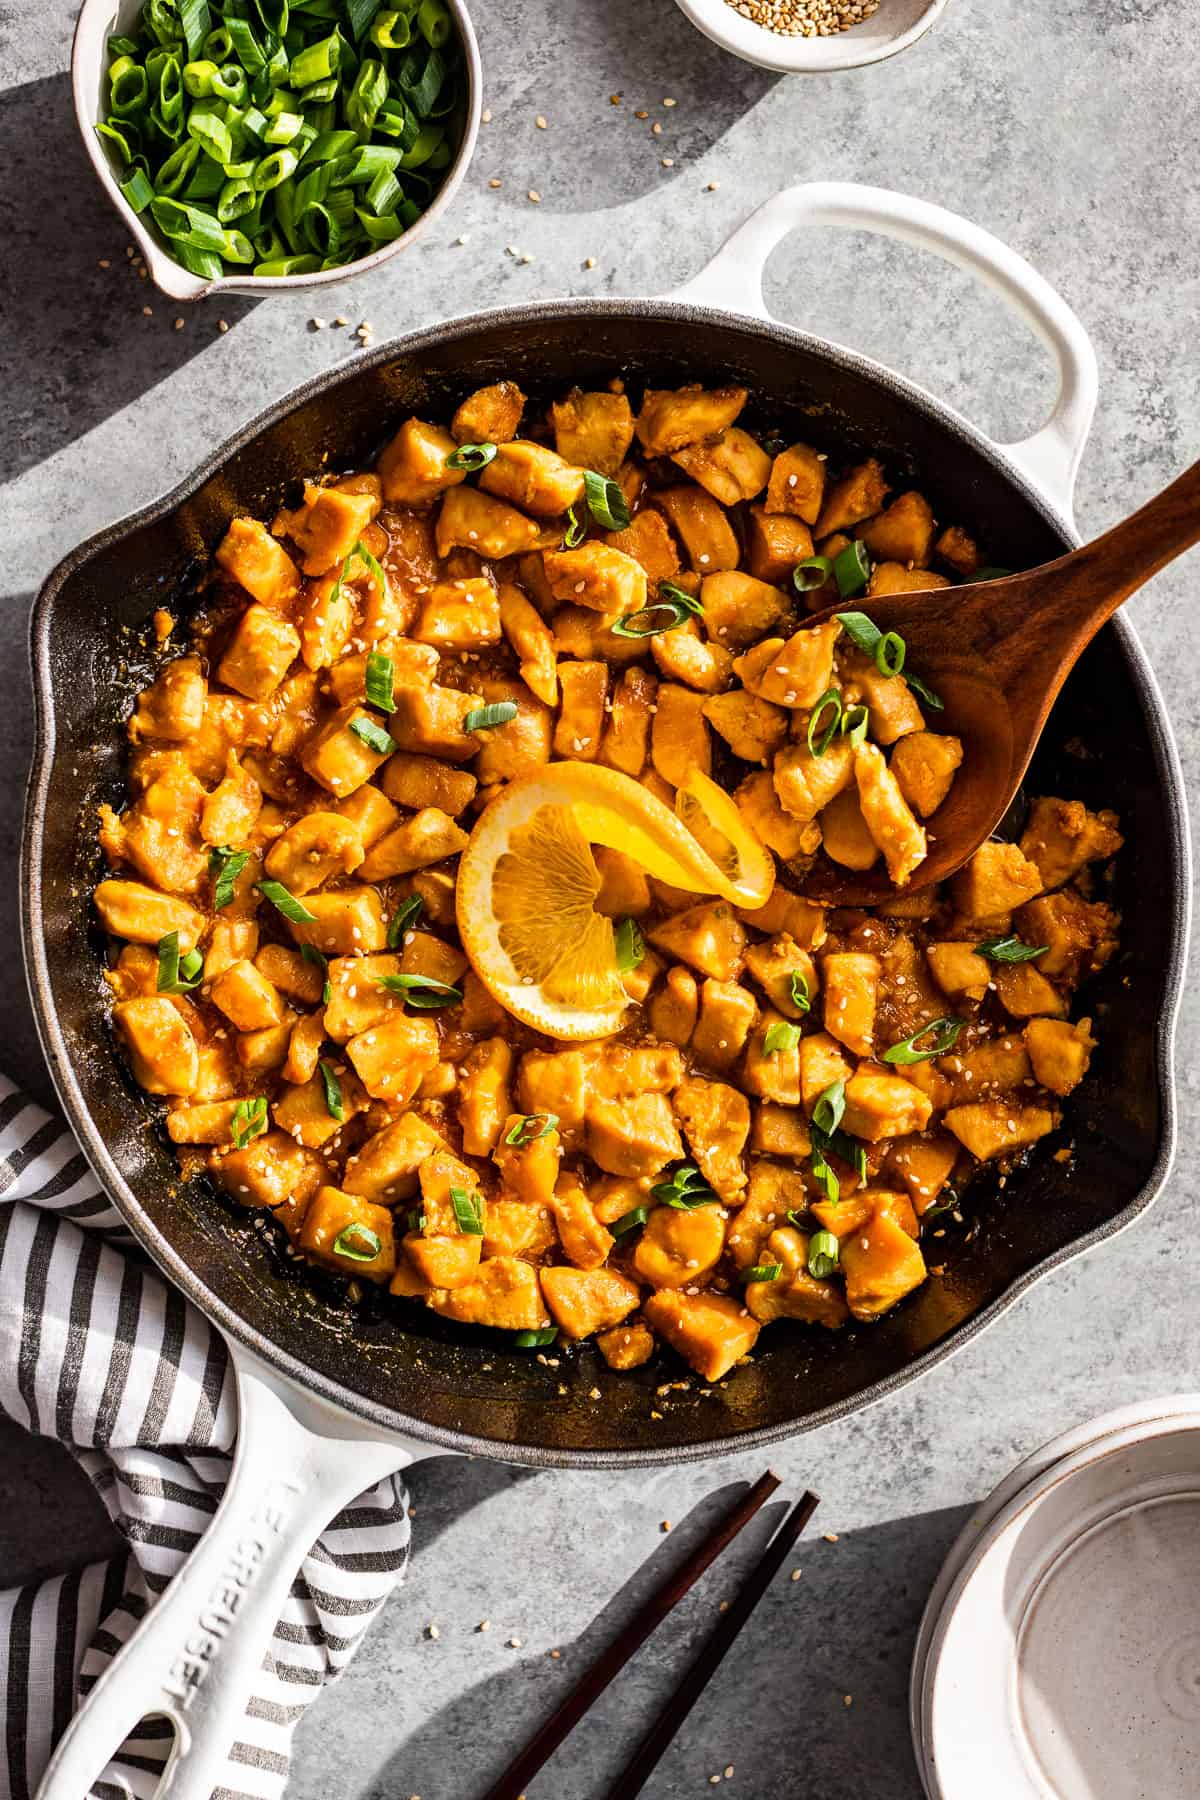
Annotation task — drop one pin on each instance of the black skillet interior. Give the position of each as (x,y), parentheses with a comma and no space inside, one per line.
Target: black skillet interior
(404,1367)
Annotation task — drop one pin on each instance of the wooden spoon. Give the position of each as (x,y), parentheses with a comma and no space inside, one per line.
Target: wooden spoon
(997,653)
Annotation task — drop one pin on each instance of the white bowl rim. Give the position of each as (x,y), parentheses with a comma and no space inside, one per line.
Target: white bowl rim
(1031,1468)
(791,55)
(169,275)
(1124,1430)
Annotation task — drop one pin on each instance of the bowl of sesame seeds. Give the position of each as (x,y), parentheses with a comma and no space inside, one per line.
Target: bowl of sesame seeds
(813,37)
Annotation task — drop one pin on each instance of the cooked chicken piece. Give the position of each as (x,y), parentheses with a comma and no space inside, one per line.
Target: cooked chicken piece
(716,1123)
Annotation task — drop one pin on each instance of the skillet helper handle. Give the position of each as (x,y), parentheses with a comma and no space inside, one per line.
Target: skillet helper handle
(195,1658)
(1050,458)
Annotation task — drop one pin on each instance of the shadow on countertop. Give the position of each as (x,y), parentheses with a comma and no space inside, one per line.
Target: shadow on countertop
(75,338)
(846,1627)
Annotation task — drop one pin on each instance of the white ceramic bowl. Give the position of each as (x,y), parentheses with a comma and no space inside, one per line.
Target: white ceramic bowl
(89,64)
(896,25)
(1064,1659)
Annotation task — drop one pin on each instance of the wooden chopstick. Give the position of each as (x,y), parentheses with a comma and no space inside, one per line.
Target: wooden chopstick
(610,1662)
(649,1752)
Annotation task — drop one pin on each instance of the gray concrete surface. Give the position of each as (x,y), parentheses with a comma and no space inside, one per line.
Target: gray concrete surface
(1070,131)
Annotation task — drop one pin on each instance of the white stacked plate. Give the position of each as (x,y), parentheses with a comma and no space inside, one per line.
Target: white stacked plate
(1059,1654)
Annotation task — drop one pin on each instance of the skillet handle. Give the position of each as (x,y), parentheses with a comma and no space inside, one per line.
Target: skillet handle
(1050,458)
(194,1659)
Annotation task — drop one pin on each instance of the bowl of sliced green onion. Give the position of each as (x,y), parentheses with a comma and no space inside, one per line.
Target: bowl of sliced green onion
(259,144)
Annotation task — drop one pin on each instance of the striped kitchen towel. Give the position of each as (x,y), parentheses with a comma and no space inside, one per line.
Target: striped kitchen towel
(98,1351)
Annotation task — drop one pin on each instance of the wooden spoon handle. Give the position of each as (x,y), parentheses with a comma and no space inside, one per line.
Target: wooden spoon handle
(1050,615)
(1121,561)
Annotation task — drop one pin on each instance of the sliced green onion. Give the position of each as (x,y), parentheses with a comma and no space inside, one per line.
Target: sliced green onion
(434,23)
(274,168)
(421,992)
(925,693)
(852,569)
(358,1243)
(471,457)
(468,1211)
(821,1170)
(605,501)
(670,590)
(212,134)
(630,944)
(763,1272)
(1010,950)
(855,720)
(333,1091)
(685,1189)
(230,84)
(249,1121)
(311,954)
(415,1221)
(798,989)
(137,191)
(779,1036)
(284,128)
(225,865)
(812,573)
(630,1221)
(529,1128)
(403,920)
(576,529)
(317,62)
(946,1034)
(990,574)
(818,741)
(391,30)
(641,624)
(177,974)
(196,22)
(372,734)
(889,653)
(824,1254)
(288,265)
(863,632)
(831,1104)
(486,718)
(381,679)
(536,1340)
(187,224)
(285,902)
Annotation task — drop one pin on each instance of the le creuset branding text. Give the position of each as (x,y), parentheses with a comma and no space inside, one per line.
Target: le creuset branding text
(191,1667)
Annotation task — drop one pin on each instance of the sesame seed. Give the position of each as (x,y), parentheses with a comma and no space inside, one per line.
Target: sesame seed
(668,162)
(670,102)
(656,129)
(494,182)
(711,187)
(589,262)
(514,1643)
(486,116)
(179,324)
(540,122)
(484,1625)
(535,196)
